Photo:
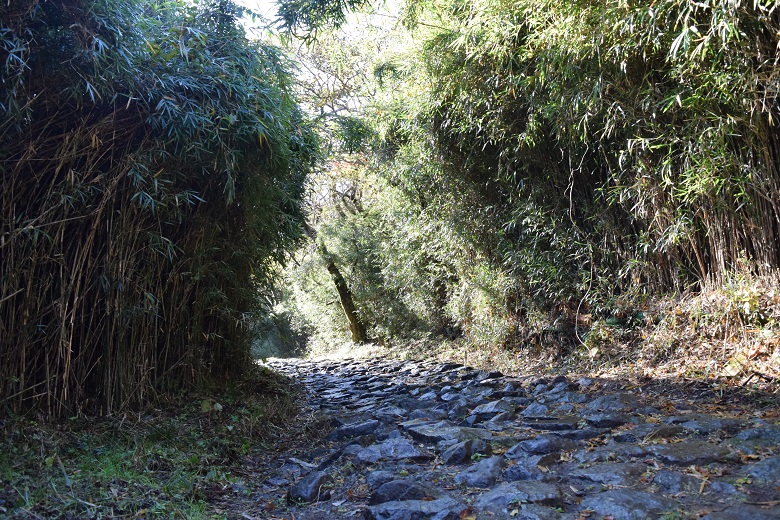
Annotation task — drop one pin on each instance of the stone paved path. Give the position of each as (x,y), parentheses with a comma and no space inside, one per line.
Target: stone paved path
(415,440)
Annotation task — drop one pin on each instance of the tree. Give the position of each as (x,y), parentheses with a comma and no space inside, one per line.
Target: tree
(335,83)
(356,327)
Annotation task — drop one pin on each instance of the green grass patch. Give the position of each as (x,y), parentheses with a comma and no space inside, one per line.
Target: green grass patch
(192,459)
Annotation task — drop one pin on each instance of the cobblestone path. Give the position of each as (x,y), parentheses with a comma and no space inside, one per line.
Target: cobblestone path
(405,440)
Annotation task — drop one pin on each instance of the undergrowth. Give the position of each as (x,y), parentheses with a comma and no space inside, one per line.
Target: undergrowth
(189,459)
(729,334)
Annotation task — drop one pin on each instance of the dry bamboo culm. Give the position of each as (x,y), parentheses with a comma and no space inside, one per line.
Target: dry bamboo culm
(137,205)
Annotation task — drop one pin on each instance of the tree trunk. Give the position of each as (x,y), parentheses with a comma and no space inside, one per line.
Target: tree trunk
(356,326)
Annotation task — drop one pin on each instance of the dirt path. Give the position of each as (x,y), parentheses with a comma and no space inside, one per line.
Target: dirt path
(415,440)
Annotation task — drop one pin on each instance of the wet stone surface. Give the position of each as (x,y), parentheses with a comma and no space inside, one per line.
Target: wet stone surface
(403,440)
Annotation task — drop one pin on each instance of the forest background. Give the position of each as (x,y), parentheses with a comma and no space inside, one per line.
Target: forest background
(524,182)
(531,186)
(541,183)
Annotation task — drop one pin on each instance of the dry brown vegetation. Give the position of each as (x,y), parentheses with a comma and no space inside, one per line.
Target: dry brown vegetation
(151,169)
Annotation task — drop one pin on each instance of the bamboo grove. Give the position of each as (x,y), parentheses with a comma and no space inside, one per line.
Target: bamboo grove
(644,132)
(152,162)
(502,166)
(537,159)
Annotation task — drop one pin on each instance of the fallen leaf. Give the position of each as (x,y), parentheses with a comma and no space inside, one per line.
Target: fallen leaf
(467,514)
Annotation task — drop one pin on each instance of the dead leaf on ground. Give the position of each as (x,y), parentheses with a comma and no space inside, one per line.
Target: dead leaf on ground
(467,514)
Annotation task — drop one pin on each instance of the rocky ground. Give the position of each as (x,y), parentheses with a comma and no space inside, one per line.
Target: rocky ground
(415,440)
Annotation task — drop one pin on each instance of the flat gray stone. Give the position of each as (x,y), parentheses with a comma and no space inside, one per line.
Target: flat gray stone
(559,385)
(463,451)
(552,424)
(536,410)
(607,420)
(392,449)
(450,396)
(767,470)
(369,454)
(499,422)
(290,470)
(510,493)
(445,508)
(625,436)
(440,431)
(376,478)
(483,474)
(427,414)
(459,409)
(613,453)
(277,481)
(613,403)
(614,474)
(690,452)
(390,413)
(724,489)
(529,512)
(523,469)
(770,434)
(703,424)
(411,404)
(572,397)
(627,504)
(492,408)
(649,431)
(540,445)
(311,488)
(446,367)
(584,433)
(753,439)
(399,490)
(353,430)
(674,482)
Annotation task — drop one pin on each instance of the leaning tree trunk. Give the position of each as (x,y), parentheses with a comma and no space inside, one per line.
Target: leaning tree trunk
(356,326)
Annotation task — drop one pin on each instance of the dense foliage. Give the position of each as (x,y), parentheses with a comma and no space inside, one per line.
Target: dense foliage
(540,160)
(152,163)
